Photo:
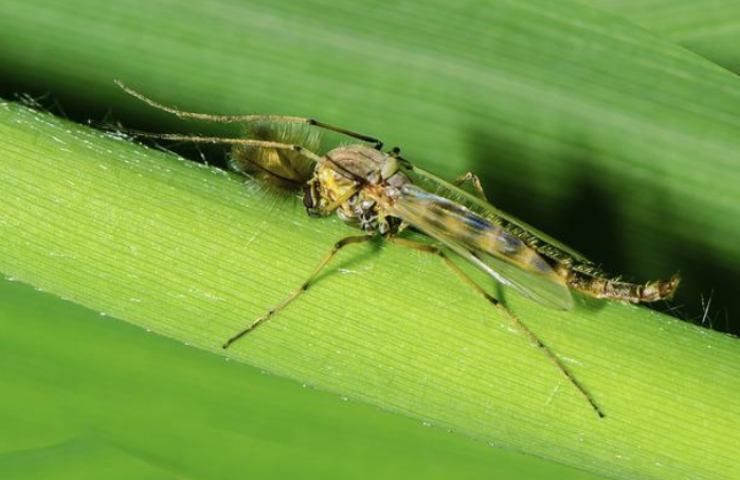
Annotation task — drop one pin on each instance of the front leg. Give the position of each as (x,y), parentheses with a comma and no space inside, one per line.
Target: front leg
(300,290)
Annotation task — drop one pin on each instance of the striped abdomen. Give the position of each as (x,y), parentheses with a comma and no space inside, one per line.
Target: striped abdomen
(613,289)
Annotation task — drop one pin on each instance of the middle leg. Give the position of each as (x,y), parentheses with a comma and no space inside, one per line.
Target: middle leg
(435,250)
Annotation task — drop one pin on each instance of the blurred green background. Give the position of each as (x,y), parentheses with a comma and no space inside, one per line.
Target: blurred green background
(558,136)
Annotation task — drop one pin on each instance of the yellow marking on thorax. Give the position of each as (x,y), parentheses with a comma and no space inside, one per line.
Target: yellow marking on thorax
(335,186)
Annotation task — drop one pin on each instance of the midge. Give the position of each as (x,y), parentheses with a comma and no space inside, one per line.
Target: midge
(382,194)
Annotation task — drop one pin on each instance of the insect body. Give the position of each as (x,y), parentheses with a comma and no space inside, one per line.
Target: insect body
(383,194)
(361,183)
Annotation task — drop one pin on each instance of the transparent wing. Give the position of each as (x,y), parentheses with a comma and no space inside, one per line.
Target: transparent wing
(434,184)
(487,246)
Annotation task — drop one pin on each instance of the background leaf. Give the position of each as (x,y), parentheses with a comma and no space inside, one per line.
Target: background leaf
(709,27)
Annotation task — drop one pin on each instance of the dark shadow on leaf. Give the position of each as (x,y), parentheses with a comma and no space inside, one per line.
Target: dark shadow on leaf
(587,219)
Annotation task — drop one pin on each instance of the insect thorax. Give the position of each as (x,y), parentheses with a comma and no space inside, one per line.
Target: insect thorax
(349,182)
